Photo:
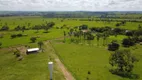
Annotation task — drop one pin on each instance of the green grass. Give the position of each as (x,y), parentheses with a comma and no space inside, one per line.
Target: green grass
(32,67)
(7,41)
(80,59)
(12,22)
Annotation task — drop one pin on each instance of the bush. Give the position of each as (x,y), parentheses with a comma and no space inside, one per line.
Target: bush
(5,28)
(127,42)
(140,38)
(40,43)
(16,35)
(17,53)
(83,27)
(113,46)
(33,39)
(90,37)
(17,28)
(129,33)
(19,35)
(0,44)
(1,35)
(13,36)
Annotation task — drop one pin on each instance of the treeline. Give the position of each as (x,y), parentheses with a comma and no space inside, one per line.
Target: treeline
(75,14)
(109,20)
(81,34)
(45,26)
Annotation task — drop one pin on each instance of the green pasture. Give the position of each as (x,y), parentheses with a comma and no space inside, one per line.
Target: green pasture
(8,41)
(32,67)
(12,22)
(80,59)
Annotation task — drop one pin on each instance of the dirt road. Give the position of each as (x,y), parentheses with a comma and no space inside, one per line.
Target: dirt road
(66,73)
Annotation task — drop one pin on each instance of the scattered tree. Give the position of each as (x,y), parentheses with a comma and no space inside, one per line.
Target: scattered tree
(23,28)
(33,39)
(40,44)
(113,46)
(98,38)
(17,28)
(64,36)
(122,62)
(129,33)
(127,42)
(0,44)
(13,36)
(17,53)
(83,27)
(4,28)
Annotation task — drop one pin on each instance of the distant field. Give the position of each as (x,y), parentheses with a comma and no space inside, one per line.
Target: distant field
(7,41)
(12,22)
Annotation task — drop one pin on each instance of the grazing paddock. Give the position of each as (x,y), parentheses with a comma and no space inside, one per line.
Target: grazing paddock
(32,67)
(83,60)
(80,59)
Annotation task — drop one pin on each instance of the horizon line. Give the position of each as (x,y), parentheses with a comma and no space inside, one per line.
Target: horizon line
(68,11)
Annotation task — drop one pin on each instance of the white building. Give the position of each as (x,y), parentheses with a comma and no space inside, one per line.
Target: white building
(32,50)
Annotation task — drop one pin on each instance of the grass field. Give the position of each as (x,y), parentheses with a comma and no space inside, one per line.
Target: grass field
(23,21)
(79,59)
(25,40)
(32,67)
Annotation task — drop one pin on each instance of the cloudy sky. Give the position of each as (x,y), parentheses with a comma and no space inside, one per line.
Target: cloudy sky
(70,5)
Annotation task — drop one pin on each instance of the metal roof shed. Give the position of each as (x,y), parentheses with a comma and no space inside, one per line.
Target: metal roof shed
(32,50)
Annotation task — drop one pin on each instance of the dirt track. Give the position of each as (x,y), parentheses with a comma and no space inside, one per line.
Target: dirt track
(66,73)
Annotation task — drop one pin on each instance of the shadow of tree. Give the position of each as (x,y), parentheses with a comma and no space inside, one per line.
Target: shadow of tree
(129,75)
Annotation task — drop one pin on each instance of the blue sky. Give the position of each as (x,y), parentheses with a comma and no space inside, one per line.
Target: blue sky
(70,5)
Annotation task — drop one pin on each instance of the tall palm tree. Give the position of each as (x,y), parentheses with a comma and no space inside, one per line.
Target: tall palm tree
(64,36)
(98,38)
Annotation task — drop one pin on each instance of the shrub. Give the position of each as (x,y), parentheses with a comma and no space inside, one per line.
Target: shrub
(113,46)
(129,33)
(140,38)
(127,42)
(33,39)
(1,35)
(40,44)
(19,35)
(83,27)
(17,53)
(5,28)
(16,35)
(13,36)
(17,28)
(0,44)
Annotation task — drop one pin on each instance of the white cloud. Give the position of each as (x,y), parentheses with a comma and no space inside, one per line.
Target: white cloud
(70,5)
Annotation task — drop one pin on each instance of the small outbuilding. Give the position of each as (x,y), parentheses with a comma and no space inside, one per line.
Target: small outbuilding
(32,50)
(85,31)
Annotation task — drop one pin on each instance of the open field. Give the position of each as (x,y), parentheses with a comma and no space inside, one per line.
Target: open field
(69,22)
(12,22)
(32,67)
(7,41)
(78,58)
